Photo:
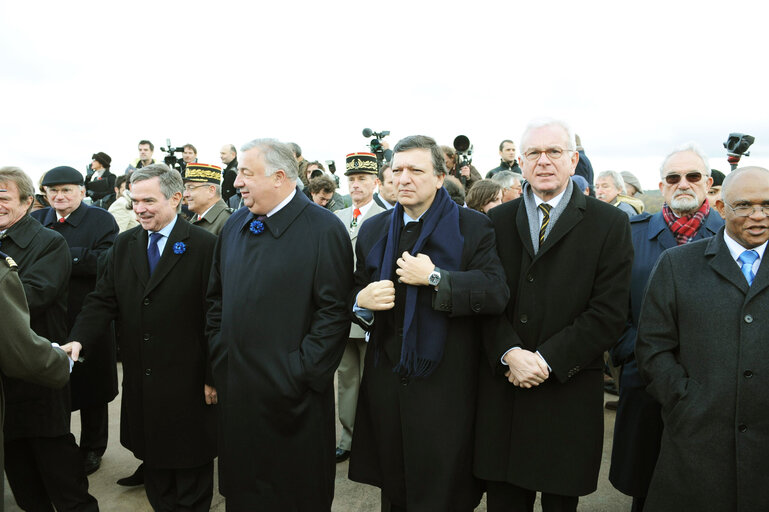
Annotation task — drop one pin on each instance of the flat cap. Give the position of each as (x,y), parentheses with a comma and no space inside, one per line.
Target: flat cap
(63,175)
(630,178)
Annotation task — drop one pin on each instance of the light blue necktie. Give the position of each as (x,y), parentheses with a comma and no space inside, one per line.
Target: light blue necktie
(747,259)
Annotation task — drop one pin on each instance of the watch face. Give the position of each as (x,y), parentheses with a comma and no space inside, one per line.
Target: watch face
(434,278)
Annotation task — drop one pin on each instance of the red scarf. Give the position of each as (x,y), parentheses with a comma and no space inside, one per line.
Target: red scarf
(685,228)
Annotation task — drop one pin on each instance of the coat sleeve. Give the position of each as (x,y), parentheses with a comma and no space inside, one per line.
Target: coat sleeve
(657,343)
(321,348)
(599,326)
(47,276)
(99,308)
(85,259)
(24,354)
(480,288)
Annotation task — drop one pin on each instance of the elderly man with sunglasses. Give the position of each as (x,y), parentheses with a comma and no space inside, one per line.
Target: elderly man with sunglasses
(686,216)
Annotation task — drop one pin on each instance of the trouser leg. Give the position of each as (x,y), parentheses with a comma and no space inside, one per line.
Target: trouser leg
(94,430)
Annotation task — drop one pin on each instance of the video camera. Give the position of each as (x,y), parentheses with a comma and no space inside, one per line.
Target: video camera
(464,156)
(382,154)
(171,160)
(737,146)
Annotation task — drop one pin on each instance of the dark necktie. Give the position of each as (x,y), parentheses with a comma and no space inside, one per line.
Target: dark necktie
(545,221)
(153,253)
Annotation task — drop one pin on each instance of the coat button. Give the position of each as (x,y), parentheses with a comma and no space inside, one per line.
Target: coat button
(148,371)
(524,318)
(530,278)
(405,381)
(748,319)
(748,374)
(75,260)
(476,307)
(743,428)
(146,337)
(146,301)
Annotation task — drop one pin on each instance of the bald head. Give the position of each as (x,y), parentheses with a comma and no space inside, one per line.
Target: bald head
(751,172)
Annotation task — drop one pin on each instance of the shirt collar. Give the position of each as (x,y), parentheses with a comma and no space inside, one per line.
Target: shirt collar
(552,202)
(736,249)
(364,209)
(282,203)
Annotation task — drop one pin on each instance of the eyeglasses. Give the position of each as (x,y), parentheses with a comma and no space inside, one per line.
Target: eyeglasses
(691,177)
(189,188)
(552,153)
(746,210)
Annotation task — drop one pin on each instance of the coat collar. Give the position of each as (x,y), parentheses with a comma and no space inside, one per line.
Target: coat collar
(24,231)
(213,213)
(721,261)
(658,228)
(138,247)
(74,219)
(278,223)
(570,217)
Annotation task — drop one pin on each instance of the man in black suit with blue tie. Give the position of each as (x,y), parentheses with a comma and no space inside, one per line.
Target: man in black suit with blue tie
(153,285)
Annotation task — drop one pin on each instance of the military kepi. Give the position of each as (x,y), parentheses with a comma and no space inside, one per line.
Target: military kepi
(203,173)
(361,163)
(63,175)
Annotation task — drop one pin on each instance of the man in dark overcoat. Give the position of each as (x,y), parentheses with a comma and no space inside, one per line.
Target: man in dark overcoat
(567,258)
(24,354)
(89,232)
(42,461)
(153,285)
(427,275)
(687,217)
(278,326)
(703,350)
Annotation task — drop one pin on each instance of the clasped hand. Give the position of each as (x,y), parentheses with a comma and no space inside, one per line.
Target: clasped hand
(527,369)
(413,270)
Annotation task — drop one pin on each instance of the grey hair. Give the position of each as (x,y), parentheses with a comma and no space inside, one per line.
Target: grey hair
(18,177)
(276,155)
(616,177)
(506,178)
(689,146)
(547,121)
(170,180)
(423,142)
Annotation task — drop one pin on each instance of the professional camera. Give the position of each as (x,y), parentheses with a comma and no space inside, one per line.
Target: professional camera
(171,160)
(382,154)
(332,169)
(464,151)
(737,146)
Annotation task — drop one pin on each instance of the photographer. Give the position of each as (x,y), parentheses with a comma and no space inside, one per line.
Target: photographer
(467,174)
(99,182)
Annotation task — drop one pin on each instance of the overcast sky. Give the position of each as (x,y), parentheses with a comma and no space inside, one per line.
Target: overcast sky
(633,79)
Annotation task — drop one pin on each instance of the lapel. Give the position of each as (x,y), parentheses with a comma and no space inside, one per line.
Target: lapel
(50,217)
(658,229)
(722,263)
(76,216)
(279,223)
(570,217)
(374,209)
(137,248)
(169,258)
(522,223)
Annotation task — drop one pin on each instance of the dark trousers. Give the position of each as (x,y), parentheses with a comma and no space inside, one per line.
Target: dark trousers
(43,471)
(94,430)
(180,490)
(505,497)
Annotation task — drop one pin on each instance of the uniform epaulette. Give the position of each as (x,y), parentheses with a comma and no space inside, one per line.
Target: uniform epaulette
(9,261)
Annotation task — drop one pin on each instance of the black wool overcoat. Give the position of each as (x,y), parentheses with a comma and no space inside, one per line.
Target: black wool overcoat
(570,303)
(164,419)
(278,327)
(89,232)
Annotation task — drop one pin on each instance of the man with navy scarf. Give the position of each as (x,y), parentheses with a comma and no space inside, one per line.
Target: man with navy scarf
(427,274)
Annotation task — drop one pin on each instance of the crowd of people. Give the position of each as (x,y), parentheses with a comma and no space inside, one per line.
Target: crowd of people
(471,323)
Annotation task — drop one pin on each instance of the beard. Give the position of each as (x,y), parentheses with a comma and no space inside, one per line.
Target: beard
(684,203)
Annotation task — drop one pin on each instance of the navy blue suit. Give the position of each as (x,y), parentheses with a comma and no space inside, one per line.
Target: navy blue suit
(638,428)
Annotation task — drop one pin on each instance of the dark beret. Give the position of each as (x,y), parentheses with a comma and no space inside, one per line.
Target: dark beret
(63,175)
(102,158)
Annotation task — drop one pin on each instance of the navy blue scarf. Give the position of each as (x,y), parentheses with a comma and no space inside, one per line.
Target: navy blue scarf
(424,329)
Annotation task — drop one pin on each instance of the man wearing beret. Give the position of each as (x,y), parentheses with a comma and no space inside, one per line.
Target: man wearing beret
(100,182)
(203,193)
(42,461)
(362,170)
(89,232)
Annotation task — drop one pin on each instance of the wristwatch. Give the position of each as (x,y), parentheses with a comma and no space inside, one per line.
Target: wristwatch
(435,277)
